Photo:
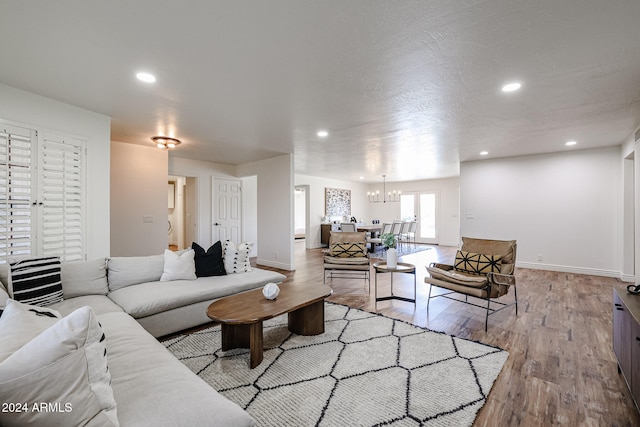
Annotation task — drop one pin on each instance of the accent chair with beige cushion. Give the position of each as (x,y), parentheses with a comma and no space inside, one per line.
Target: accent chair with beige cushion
(347,256)
(483,268)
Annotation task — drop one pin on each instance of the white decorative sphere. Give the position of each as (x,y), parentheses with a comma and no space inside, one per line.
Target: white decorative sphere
(271,291)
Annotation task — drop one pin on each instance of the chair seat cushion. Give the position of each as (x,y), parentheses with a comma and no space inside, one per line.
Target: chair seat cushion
(457,277)
(346,261)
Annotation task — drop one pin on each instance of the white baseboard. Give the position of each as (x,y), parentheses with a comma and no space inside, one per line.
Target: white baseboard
(570,269)
(628,278)
(275,264)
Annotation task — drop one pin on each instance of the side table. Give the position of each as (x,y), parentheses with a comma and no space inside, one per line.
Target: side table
(402,267)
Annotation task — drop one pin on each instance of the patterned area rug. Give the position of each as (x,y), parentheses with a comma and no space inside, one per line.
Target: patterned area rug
(365,370)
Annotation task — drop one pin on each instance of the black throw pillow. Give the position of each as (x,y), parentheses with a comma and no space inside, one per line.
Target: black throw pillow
(209,263)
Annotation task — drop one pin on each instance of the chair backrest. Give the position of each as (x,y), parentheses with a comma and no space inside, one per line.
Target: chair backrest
(505,248)
(348,245)
(348,227)
(405,227)
(397,226)
(386,228)
(347,237)
(413,226)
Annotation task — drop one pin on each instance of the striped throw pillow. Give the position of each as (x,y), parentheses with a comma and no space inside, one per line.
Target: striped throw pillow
(36,281)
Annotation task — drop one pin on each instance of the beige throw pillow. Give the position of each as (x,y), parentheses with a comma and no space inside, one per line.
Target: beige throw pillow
(61,376)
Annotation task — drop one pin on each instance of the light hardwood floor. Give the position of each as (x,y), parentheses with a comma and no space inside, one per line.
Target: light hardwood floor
(561,369)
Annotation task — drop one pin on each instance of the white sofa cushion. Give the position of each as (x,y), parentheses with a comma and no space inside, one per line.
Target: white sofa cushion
(131,270)
(4,296)
(178,266)
(84,278)
(150,298)
(153,388)
(65,365)
(99,303)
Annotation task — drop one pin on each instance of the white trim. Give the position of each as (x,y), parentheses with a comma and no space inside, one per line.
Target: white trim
(628,278)
(274,264)
(570,269)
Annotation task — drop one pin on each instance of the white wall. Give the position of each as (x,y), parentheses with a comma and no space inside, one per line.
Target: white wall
(359,203)
(275,209)
(250,212)
(32,110)
(564,207)
(138,200)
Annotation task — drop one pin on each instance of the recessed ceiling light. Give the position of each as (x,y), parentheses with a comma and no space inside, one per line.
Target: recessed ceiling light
(362,177)
(570,143)
(511,87)
(323,134)
(484,153)
(146,77)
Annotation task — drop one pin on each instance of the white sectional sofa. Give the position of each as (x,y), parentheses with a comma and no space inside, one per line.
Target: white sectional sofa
(150,386)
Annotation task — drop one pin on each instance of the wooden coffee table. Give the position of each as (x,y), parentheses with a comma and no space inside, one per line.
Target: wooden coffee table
(241,315)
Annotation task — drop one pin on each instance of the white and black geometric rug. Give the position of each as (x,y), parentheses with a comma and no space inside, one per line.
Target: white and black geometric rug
(365,370)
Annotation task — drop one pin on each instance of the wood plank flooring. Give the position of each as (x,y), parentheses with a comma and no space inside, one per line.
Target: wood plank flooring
(561,369)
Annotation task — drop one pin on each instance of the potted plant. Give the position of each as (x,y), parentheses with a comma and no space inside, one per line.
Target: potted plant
(389,241)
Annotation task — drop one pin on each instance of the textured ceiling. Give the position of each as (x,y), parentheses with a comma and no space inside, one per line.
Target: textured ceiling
(404,88)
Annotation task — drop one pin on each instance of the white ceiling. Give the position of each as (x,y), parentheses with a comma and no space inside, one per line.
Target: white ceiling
(405,88)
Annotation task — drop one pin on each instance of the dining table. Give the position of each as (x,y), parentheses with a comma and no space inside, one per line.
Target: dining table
(374,229)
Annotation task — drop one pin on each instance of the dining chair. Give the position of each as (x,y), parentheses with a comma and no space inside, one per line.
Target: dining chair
(349,227)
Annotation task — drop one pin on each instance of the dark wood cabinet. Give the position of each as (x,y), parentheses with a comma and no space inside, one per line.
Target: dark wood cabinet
(325,232)
(626,338)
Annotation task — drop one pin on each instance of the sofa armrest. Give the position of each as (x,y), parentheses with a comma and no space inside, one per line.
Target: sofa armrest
(445,267)
(501,279)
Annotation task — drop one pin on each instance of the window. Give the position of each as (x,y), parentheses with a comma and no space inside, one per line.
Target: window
(42,181)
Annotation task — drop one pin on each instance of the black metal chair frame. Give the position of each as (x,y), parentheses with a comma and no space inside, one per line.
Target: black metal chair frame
(489,310)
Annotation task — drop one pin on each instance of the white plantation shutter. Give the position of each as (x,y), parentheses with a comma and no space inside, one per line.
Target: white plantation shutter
(42,184)
(16,183)
(61,194)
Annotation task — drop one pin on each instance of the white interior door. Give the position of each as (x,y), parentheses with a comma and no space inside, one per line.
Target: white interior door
(227,209)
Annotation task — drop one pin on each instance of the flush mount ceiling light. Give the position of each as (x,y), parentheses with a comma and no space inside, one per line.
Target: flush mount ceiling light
(165,142)
(323,134)
(484,153)
(511,87)
(570,143)
(146,77)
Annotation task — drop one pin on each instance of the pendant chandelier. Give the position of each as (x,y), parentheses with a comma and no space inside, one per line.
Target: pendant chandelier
(391,197)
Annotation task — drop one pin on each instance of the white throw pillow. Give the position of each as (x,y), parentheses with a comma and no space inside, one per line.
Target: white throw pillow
(64,372)
(20,323)
(179,265)
(236,257)
(131,270)
(84,278)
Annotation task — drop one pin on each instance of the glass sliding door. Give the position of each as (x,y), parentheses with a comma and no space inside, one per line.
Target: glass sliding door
(428,224)
(422,207)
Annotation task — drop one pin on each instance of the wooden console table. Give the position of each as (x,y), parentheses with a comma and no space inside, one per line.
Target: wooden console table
(626,338)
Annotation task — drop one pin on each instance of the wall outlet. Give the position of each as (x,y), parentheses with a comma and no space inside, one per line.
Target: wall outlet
(276,254)
(539,257)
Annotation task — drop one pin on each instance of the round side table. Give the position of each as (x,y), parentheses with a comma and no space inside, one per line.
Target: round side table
(402,267)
